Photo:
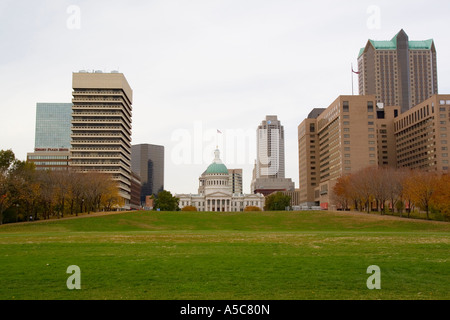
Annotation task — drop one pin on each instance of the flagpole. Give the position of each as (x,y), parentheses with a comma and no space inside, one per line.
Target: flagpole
(352,80)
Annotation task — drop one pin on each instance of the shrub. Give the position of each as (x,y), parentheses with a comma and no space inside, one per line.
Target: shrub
(252,208)
(189,208)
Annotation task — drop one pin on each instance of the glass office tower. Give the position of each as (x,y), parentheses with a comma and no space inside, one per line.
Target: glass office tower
(53,124)
(52,136)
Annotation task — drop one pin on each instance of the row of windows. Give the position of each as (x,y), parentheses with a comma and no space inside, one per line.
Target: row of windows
(346,106)
(48,157)
(412,118)
(52,163)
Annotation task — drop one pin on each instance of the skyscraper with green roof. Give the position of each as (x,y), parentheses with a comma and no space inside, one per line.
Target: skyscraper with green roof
(399,72)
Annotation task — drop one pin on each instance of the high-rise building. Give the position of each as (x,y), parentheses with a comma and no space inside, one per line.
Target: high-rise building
(398,72)
(341,139)
(308,146)
(52,136)
(269,173)
(422,135)
(101,126)
(53,122)
(235,180)
(147,161)
(270,149)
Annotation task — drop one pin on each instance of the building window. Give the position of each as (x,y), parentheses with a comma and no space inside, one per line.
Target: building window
(370,106)
(346,107)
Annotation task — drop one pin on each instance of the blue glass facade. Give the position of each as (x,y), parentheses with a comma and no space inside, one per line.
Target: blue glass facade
(53,125)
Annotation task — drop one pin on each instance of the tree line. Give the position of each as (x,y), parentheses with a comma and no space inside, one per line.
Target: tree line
(387,189)
(30,194)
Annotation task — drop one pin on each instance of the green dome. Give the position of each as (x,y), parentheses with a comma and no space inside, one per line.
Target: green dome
(216,168)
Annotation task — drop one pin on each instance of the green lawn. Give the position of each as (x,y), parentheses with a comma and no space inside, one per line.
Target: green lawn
(181,255)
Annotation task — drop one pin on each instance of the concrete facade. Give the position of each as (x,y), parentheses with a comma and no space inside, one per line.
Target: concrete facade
(399,72)
(422,135)
(101,127)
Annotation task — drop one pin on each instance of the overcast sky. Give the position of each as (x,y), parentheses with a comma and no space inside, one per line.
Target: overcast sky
(196,67)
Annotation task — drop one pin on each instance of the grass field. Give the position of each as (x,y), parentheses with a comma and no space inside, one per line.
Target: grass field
(262,256)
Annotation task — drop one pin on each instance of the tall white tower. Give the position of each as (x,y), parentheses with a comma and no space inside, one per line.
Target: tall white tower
(270,149)
(269,171)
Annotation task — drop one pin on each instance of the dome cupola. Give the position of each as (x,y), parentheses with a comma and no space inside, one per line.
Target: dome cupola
(217,167)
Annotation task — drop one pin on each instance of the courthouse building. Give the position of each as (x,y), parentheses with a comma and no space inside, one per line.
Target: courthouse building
(215,192)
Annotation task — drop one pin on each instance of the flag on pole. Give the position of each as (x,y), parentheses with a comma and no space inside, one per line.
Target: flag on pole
(218,131)
(357,72)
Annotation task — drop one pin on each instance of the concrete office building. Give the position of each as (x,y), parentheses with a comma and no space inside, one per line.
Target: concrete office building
(101,126)
(269,171)
(341,139)
(386,146)
(52,136)
(309,158)
(235,180)
(398,72)
(135,194)
(422,135)
(147,161)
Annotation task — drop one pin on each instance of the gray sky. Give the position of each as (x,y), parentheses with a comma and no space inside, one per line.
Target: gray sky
(196,67)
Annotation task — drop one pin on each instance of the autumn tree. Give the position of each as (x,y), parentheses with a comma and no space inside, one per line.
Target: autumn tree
(441,197)
(421,187)
(361,183)
(110,198)
(380,186)
(341,192)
